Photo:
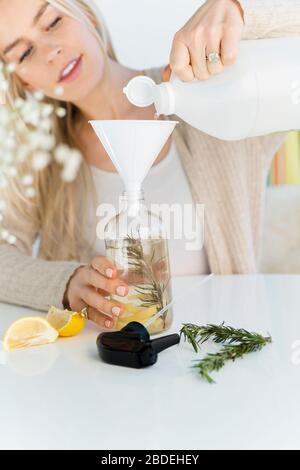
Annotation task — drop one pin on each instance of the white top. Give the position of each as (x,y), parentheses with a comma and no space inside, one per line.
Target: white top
(166,183)
(61,396)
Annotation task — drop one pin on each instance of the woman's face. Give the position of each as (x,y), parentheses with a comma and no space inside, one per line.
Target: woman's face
(42,42)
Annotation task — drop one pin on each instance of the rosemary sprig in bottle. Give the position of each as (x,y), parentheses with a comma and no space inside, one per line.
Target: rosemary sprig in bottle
(153,293)
(139,266)
(236,343)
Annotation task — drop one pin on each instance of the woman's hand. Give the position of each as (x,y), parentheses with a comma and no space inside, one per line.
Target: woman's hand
(89,286)
(216,27)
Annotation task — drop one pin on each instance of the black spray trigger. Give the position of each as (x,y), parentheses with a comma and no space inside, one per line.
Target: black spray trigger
(132,346)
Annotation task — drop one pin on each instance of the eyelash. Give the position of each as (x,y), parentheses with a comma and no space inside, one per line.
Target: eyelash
(28,52)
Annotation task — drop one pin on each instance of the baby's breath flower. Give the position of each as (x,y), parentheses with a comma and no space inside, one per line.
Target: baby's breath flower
(11,239)
(23,152)
(11,68)
(30,192)
(45,125)
(47,110)
(59,90)
(61,112)
(4,234)
(32,118)
(19,103)
(12,172)
(3,182)
(3,85)
(2,205)
(20,126)
(40,160)
(27,180)
(72,165)
(39,95)
(61,153)
(34,139)
(47,142)
(68,174)
(30,106)
(8,157)
(9,143)
(75,157)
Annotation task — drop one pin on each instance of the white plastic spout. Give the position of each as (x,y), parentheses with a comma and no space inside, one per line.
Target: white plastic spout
(133,146)
(142,91)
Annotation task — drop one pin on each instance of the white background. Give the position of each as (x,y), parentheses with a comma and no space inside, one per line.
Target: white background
(143,30)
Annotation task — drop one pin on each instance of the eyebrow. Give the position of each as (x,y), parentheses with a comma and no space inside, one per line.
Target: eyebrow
(36,18)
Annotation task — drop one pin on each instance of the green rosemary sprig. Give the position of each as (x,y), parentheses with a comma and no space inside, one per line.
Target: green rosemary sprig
(214,362)
(197,335)
(236,343)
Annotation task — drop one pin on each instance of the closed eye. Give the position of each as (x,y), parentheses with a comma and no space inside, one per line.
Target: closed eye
(54,23)
(26,54)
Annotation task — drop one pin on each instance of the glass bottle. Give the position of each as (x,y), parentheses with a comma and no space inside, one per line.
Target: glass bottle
(137,244)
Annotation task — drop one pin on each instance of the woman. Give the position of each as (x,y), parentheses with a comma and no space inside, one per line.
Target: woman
(228,177)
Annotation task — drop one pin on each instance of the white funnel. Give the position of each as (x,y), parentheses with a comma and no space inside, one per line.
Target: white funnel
(133,146)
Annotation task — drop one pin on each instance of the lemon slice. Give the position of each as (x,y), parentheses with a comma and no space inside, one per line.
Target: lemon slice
(144,311)
(66,323)
(133,313)
(29,331)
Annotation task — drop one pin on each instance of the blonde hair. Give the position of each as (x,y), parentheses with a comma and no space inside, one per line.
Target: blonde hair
(60,208)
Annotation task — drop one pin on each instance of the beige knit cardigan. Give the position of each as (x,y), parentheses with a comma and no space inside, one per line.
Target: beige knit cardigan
(228,177)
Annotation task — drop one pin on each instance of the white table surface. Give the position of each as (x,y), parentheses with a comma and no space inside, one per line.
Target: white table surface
(62,396)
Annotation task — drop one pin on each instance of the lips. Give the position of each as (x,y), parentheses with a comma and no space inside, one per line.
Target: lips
(70,70)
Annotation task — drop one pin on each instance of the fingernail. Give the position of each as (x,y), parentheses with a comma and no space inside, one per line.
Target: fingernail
(116,311)
(108,323)
(109,272)
(121,291)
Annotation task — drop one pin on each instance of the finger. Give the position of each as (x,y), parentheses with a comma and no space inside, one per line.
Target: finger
(101,319)
(93,299)
(198,62)
(229,46)
(104,266)
(166,73)
(77,305)
(112,286)
(217,67)
(180,61)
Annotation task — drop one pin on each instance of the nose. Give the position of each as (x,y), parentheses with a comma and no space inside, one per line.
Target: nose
(53,53)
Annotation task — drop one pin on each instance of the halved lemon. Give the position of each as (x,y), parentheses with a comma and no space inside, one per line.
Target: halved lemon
(29,331)
(65,322)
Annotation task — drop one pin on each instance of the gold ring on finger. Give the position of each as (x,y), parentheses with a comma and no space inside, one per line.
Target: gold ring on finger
(85,312)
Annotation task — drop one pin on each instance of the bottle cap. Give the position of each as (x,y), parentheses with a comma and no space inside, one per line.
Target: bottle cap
(139,91)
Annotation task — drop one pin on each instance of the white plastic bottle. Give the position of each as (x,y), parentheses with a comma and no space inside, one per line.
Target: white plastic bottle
(258,95)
